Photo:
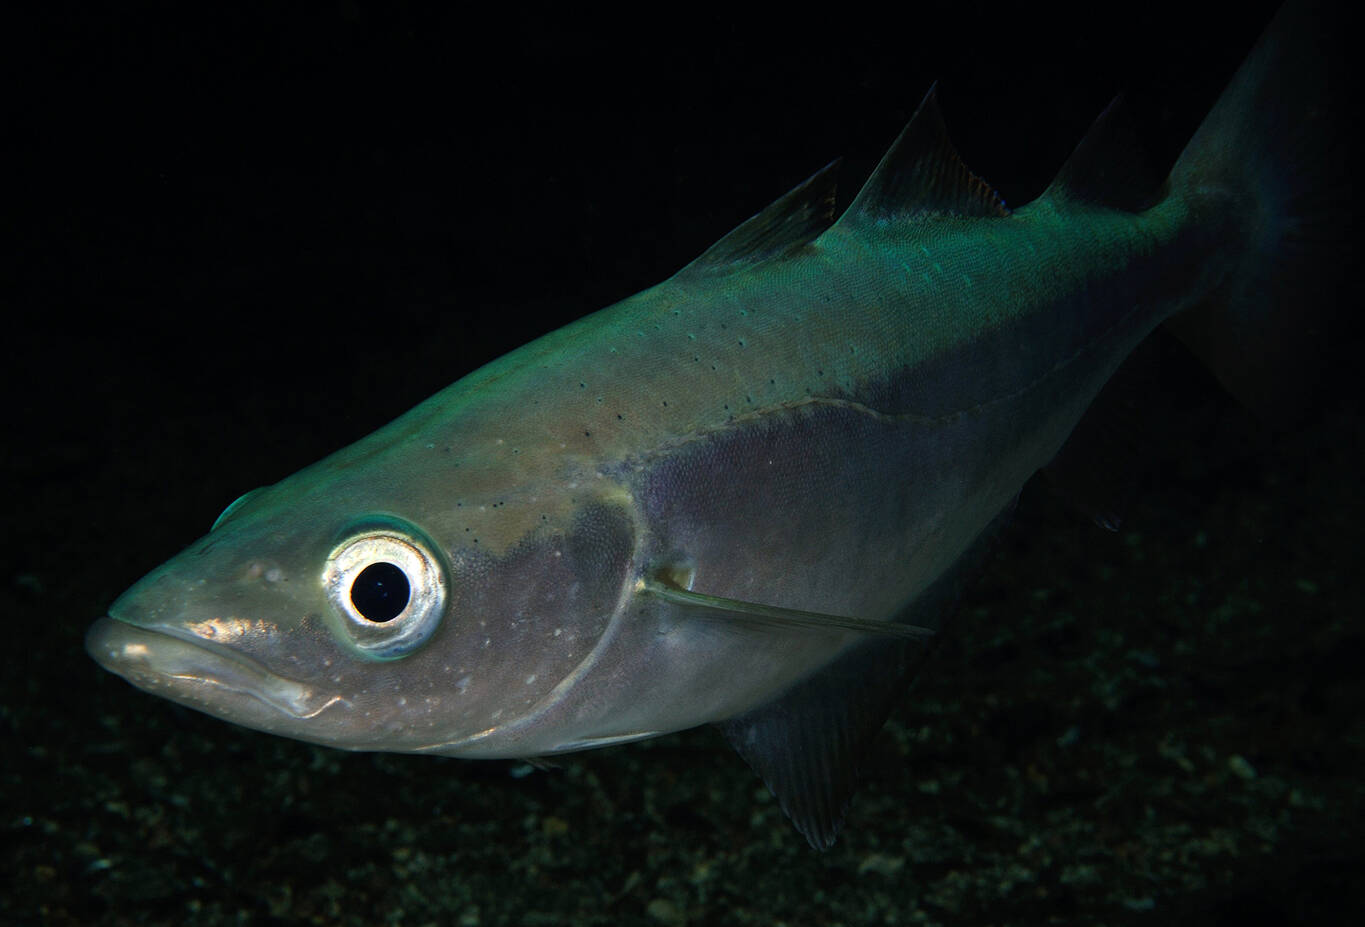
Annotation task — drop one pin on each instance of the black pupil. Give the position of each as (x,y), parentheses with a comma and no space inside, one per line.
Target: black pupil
(380,592)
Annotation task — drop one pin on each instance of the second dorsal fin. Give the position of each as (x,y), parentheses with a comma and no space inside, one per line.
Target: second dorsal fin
(789,223)
(1107,169)
(922,176)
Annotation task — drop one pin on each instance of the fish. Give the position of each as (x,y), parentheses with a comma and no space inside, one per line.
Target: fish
(747,496)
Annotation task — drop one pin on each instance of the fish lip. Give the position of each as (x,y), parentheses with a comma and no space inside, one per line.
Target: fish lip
(203,674)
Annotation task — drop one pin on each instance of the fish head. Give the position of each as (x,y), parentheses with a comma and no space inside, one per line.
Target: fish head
(337,608)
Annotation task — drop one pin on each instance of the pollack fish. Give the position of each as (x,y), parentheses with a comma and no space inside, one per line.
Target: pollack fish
(747,495)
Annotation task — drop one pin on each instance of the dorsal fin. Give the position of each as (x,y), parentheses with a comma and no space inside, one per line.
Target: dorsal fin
(922,176)
(1107,169)
(789,223)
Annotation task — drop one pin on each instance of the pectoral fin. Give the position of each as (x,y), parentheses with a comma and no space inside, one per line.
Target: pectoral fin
(755,614)
(807,743)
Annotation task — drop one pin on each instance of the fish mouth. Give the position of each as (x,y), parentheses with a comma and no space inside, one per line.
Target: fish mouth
(201,674)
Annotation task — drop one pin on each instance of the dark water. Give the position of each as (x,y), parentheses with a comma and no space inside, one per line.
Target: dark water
(245,242)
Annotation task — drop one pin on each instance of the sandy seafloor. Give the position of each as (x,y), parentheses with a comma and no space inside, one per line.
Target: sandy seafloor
(253,240)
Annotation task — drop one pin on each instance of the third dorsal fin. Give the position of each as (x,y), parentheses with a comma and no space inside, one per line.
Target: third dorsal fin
(789,223)
(1107,168)
(922,176)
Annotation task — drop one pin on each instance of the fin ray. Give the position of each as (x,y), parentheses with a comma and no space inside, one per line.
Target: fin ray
(788,224)
(758,615)
(922,176)
(807,744)
(1107,167)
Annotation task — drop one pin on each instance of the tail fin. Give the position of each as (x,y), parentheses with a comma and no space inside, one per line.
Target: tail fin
(1275,143)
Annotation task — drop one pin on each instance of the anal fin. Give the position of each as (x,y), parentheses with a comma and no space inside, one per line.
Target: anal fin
(807,744)
(921,177)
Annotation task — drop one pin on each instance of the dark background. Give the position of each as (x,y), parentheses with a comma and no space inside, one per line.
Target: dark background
(242,240)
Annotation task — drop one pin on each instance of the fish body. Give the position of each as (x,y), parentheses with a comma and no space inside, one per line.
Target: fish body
(698,505)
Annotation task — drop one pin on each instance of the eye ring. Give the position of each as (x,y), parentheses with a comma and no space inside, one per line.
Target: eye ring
(388,589)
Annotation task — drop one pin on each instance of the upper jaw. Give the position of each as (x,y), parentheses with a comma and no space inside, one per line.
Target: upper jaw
(203,674)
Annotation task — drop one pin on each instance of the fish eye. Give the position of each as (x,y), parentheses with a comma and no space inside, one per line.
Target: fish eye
(389,590)
(381,591)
